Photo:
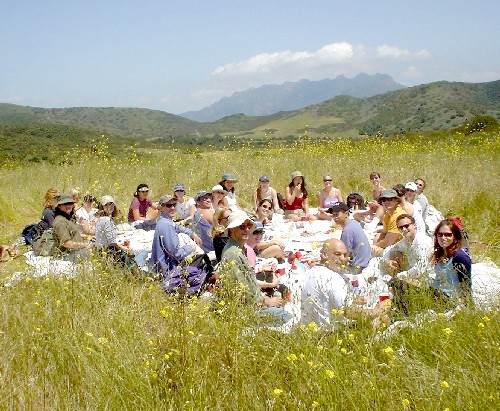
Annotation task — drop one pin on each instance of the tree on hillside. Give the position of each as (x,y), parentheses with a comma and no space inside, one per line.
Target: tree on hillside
(479,123)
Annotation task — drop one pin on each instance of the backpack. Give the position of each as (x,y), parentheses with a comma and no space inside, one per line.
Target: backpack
(33,232)
(281,201)
(45,246)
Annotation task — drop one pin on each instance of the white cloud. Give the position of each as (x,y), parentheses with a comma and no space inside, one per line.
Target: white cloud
(271,62)
(398,53)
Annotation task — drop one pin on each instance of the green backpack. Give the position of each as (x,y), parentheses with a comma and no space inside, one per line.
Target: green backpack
(45,246)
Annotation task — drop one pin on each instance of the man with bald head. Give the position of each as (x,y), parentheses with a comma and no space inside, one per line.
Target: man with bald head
(327,297)
(326,289)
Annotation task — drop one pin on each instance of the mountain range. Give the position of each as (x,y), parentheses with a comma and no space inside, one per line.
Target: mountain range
(433,106)
(270,99)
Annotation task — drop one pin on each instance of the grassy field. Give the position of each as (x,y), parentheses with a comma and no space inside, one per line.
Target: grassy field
(103,340)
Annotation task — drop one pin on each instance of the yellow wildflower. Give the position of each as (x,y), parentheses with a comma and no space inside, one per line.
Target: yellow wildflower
(312,326)
(330,374)
(388,350)
(277,392)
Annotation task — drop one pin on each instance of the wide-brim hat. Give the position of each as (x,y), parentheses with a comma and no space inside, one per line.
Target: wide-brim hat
(237,218)
(229,177)
(219,188)
(297,174)
(106,200)
(65,198)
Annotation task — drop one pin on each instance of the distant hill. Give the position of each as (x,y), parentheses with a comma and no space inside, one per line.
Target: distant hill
(440,105)
(129,122)
(270,99)
(434,106)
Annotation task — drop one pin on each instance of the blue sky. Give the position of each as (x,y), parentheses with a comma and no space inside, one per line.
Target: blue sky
(177,56)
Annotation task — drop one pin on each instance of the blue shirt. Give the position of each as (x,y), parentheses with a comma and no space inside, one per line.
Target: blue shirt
(356,243)
(202,228)
(167,252)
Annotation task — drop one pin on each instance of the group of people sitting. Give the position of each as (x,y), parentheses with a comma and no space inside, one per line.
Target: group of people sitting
(190,230)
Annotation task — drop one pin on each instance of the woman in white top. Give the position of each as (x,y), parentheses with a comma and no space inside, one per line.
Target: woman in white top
(263,191)
(106,233)
(86,215)
(185,205)
(228,181)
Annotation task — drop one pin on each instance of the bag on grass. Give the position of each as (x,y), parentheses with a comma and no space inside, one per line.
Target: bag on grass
(33,232)
(281,201)
(45,246)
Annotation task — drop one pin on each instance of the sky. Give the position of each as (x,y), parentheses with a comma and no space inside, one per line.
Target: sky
(176,56)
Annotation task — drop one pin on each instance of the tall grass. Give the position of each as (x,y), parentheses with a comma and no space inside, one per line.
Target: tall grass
(103,340)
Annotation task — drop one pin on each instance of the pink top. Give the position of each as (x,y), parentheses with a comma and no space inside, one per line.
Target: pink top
(252,257)
(143,207)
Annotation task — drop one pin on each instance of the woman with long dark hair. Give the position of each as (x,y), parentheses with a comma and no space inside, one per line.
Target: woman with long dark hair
(140,205)
(452,262)
(296,204)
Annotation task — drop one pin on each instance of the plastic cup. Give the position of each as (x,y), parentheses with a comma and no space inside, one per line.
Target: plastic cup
(303,218)
(384,296)
(281,271)
(126,243)
(355,282)
(298,254)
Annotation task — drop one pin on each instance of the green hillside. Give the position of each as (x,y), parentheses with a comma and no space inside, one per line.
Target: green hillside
(434,106)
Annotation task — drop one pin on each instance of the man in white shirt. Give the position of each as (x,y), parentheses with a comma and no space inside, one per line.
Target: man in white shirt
(415,248)
(325,289)
(327,297)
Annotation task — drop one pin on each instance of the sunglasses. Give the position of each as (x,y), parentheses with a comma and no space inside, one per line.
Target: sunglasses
(387,199)
(327,180)
(265,207)
(169,205)
(143,191)
(445,235)
(402,227)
